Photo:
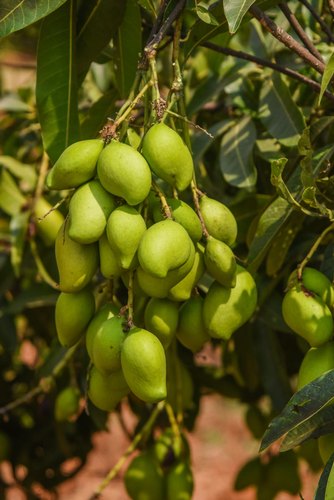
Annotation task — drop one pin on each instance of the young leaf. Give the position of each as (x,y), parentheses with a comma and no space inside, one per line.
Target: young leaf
(236,160)
(235,11)
(303,405)
(326,77)
(98,23)
(128,46)
(56,90)
(205,15)
(327,473)
(17,14)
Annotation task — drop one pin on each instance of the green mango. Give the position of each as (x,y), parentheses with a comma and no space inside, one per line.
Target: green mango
(220,262)
(164,246)
(180,482)
(143,478)
(227,309)
(76,263)
(124,172)
(317,361)
(89,209)
(170,446)
(183,214)
(326,447)
(47,226)
(316,282)
(125,228)
(76,165)
(219,220)
(107,344)
(161,318)
(168,156)
(191,330)
(160,287)
(107,311)
(144,365)
(67,404)
(183,289)
(308,316)
(106,391)
(73,312)
(109,265)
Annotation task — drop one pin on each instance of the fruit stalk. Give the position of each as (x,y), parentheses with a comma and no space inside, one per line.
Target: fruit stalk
(312,250)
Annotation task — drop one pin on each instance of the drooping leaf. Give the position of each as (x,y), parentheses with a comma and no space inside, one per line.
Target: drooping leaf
(326,77)
(56,88)
(17,14)
(98,23)
(98,114)
(204,13)
(235,157)
(235,11)
(18,229)
(23,172)
(128,46)
(303,405)
(11,198)
(279,113)
(321,492)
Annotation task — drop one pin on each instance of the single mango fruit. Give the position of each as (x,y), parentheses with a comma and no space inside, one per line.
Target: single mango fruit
(191,331)
(317,361)
(183,214)
(220,262)
(161,318)
(107,311)
(106,391)
(107,345)
(48,221)
(143,478)
(219,220)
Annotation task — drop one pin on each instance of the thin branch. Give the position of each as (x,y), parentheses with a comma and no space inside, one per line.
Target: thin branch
(318,18)
(299,30)
(264,63)
(312,250)
(282,36)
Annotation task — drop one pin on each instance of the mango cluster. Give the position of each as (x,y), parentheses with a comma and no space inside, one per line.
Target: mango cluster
(120,227)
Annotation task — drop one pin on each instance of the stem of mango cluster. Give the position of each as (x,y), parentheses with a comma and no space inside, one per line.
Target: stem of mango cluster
(163,201)
(134,102)
(130,301)
(312,250)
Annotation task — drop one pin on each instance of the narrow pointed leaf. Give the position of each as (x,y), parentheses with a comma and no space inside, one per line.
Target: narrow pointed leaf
(56,89)
(17,14)
(235,11)
(327,76)
(321,492)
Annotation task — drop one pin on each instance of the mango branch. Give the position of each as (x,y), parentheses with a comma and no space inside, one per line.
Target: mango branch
(130,301)
(165,207)
(131,448)
(325,28)
(312,250)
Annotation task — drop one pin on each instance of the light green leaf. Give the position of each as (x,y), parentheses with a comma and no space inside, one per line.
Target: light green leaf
(18,230)
(279,113)
(148,5)
(128,47)
(235,11)
(17,14)
(205,15)
(326,77)
(11,199)
(235,157)
(24,172)
(56,88)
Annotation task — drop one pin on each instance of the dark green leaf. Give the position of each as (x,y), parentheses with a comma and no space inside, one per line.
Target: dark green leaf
(321,493)
(56,88)
(16,14)
(327,76)
(99,21)
(208,91)
(98,114)
(235,11)
(128,47)
(201,141)
(303,405)
(235,158)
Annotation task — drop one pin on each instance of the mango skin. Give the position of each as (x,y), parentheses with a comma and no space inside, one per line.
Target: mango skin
(143,478)
(76,263)
(168,156)
(161,318)
(165,246)
(183,214)
(316,361)
(308,316)
(144,365)
(124,172)
(106,391)
(73,312)
(191,330)
(220,262)
(107,345)
(109,265)
(219,220)
(67,404)
(183,289)
(227,309)
(316,282)
(107,311)
(180,482)
(48,227)
(89,209)
(76,165)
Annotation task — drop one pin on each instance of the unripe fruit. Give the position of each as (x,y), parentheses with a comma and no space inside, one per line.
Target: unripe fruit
(124,172)
(326,446)
(144,365)
(161,318)
(183,214)
(306,314)
(191,330)
(73,312)
(47,226)
(220,262)
(169,447)
(107,311)
(317,361)
(107,345)
(316,282)
(143,478)
(164,246)
(76,263)
(109,265)
(183,289)
(168,156)
(67,404)
(125,228)
(180,482)
(219,220)
(227,309)
(106,391)
(89,209)
(76,165)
